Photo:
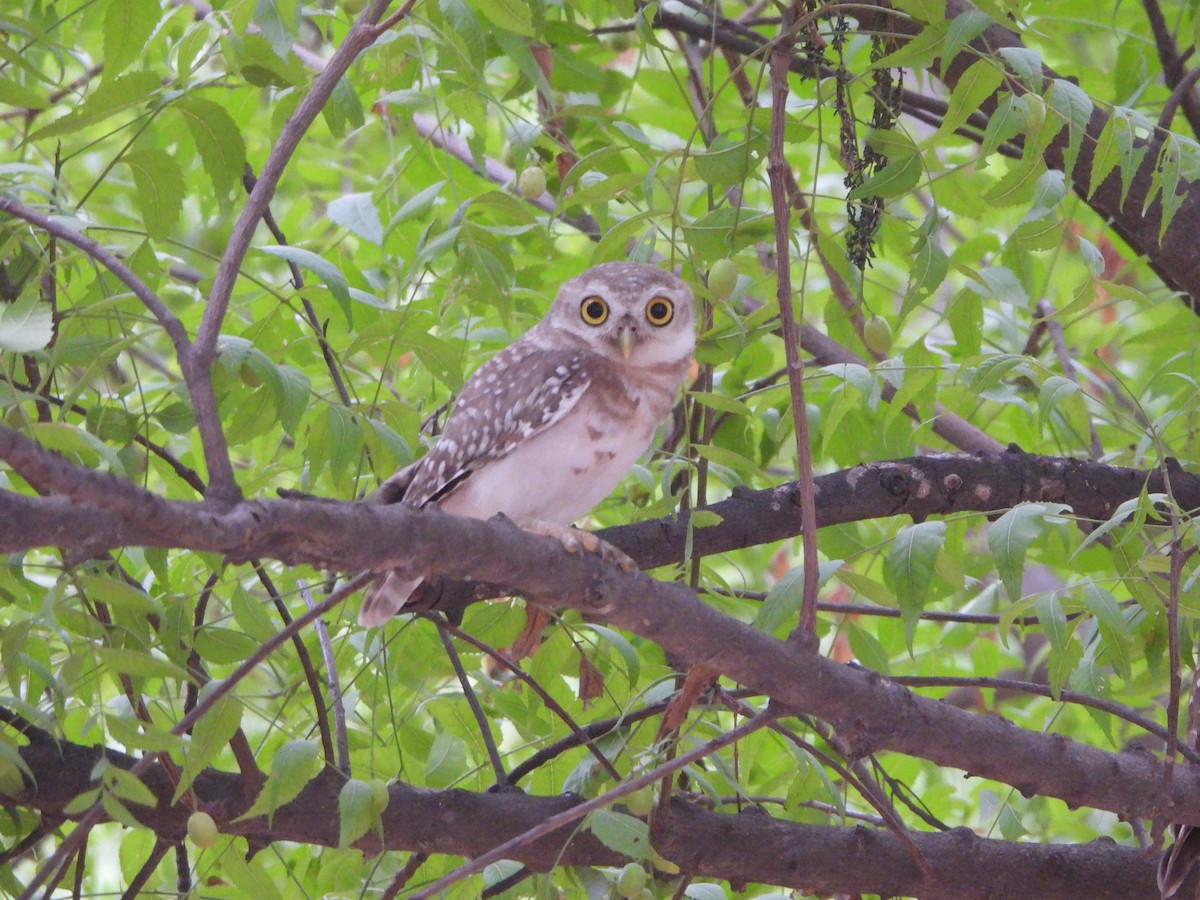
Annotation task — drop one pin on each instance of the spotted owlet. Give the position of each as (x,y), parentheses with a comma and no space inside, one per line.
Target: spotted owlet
(545,429)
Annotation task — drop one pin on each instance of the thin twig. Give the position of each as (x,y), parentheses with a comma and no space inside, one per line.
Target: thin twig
(781,57)
(1172,62)
(331,679)
(1181,91)
(1043,690)
(157,852)
(404,876)
(485,728)
(320,711)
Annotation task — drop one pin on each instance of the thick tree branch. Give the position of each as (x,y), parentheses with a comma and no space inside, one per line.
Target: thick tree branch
(822,859)
(869,712)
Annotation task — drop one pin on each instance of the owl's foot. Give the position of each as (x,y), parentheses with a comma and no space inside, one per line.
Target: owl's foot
(576,540)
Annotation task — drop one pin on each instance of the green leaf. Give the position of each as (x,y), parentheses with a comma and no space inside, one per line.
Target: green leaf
(1167,175)
(118,594)
(786,595)
(1003,124)
(344,110)
(210,735)
(26,324)
(893,180)
(908,570)
(1133,505)
(14,771)
(629,655)
(360,807)
(218,141)
(1004,285)
(974,87)
(513,15)
(272,26)
(1107,153)
(1026,64)
(1074,107)
(1009,538)
(868,650)
(929,268)
(111,423)
(248,875)
(111,97)
(158,181)
(358,213)
(137,735)
(724,231)
(963,28)
(731,158)
(127,25)
(1065,652)
(139,664)
(621,833)
(224,646)
(446,760)
(329,274)
(966,321)
(1114,629)
(296,392)
(20,96)
(704,518)
(293,765)
(128,787)
(1017,184)
(1053,391)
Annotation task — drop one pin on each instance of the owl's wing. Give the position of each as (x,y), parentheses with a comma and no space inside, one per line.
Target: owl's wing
(518,393)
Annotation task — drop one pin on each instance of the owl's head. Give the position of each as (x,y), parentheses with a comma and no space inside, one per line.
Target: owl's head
(634,313)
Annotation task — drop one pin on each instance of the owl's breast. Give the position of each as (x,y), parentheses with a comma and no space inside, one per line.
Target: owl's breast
(560,473)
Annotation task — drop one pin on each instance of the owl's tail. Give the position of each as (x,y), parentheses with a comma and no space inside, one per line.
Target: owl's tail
(385,598)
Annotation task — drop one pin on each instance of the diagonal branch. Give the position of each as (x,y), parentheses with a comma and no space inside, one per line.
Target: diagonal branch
(93,248)
(821,858)
(868,712)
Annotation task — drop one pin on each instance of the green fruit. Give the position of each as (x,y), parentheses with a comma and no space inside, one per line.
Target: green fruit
(877,334)
(723,278)
(531,183)
(202,829)
(640,802)
(632,881)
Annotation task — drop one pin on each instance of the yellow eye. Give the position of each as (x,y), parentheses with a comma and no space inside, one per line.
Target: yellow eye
(594,310)
(660,311)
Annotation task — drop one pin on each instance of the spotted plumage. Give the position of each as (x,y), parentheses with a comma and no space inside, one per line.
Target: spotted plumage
(546,428)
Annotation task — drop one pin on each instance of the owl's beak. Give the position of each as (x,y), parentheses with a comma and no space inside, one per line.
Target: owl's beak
(626,338)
